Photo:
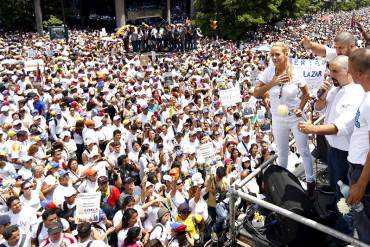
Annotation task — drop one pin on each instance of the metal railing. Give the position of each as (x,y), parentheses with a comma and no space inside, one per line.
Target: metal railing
(236,191)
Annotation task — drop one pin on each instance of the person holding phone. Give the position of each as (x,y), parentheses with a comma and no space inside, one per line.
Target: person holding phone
(287,89)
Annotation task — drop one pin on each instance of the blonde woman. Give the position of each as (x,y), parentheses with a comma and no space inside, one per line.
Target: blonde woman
(288,95)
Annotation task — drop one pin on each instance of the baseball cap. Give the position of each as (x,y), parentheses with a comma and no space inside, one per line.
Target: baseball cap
(55,228)
(54,164)
(184,208)
(91,172)
(102,179)
(70,191)
(245,159)
(63,173)
(167,178)
(147,184)
(178,226)
(129,180)
(179,153)
(4,219)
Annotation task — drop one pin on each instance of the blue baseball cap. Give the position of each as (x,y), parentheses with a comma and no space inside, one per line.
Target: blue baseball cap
(63,173)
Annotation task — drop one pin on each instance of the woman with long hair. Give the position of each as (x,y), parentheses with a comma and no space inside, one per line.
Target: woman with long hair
(289,94)
(133,237)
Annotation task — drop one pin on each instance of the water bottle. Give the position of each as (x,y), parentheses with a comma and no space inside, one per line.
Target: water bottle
(344,189)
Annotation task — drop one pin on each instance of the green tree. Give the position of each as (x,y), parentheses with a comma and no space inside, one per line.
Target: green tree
(17,14)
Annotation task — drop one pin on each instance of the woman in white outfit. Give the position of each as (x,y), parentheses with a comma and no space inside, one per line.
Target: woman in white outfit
(288,93)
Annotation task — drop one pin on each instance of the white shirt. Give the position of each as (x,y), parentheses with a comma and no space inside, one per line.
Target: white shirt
(290,91)
(34,202)
(330,54)
(58,194)
(359,144)
(26,219)
(342,104)
(199,207)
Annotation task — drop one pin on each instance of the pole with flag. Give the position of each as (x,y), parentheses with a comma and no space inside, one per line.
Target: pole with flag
(353,20)
(39,76)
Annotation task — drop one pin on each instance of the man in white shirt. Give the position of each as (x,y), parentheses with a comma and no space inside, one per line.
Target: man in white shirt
(62,188)
(359,151)
(340,104)
(23,216)
(15,237)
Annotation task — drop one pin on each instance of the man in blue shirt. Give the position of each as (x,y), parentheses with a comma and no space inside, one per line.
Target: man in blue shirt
(38,104)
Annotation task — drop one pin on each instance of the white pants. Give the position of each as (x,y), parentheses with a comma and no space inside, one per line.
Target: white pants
(281,128)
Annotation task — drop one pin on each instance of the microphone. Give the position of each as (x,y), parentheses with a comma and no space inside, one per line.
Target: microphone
(322,91)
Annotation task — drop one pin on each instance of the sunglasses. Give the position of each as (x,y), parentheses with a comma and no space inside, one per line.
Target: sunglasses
(28,188)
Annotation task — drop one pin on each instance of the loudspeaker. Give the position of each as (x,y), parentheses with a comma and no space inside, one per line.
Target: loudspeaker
(283,189)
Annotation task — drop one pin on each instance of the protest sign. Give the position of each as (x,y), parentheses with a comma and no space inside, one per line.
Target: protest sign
(230,97)
(31,65)
(313,72)
(167,76)
(205,152)
(144,60)
(87,207)
(31,53)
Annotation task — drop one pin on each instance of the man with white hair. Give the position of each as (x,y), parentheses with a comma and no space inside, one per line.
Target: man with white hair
(340,104)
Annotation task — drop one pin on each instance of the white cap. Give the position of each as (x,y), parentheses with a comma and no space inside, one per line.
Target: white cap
(167,178)
(94,152)
(89,141)
(147,184)
(64,134)
(116,118)
(69,191)
(5,108)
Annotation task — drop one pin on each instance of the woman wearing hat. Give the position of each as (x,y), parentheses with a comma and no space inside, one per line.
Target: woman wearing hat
(161,230)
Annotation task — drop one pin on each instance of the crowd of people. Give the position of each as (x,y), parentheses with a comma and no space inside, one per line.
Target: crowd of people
(94,118)
(165,38)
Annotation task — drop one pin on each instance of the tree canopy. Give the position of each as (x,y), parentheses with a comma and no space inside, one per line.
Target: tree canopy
(236,17)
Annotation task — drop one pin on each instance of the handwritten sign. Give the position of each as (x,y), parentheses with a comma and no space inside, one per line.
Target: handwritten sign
(87,207)
(230,97)
(205,152)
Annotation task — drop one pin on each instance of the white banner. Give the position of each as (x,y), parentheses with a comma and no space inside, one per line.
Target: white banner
(87,207)
(230,97)
(31,65)
(313,72)
(205,152)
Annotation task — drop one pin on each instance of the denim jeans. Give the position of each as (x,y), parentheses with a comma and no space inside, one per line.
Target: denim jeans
(338,168)
(361,220)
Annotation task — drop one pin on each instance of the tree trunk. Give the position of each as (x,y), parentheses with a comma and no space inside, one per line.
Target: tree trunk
(38,16)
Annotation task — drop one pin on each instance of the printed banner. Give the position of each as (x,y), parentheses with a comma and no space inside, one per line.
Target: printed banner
(230,97)
(313,72)
(87,207)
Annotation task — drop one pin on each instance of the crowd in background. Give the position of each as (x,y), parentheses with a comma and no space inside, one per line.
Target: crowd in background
(94,118)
